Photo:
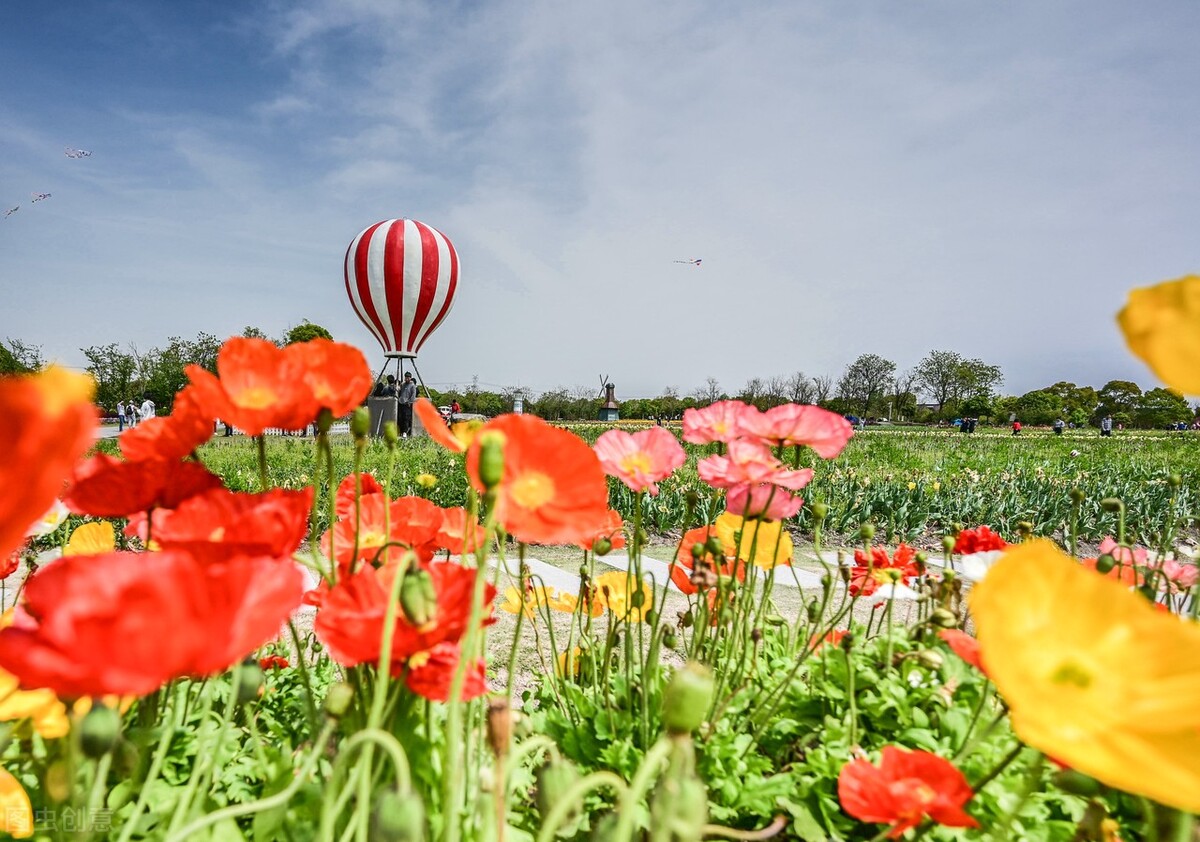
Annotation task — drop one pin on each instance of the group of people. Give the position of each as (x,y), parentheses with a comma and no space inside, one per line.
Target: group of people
(405,395)
(129,413)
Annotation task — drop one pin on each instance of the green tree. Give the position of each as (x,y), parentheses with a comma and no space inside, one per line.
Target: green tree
(304,332)
(1038,407)
(1120,399)
(19,358)
(865,381)
(115,372)
(251,332)
(1160,408)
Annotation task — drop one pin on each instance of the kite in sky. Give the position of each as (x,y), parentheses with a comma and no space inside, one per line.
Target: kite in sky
(78,153)
(37,197)
(11,211)
(694,262)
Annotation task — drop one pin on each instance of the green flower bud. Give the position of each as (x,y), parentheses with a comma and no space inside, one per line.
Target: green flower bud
(669,638)
(1076,495)
(1174,480)
(1111,504)
(847,641)
(324,420)
(1024,528)
(602,546)
(338,700)
(692,498)
(949,575)
(360,423)
(391,433)
(398,817)
(943,617)
(491,458)
(1077,783)
(99,731)
(651,617)
(713,545)
(948,543)
(249,681)
(866,531)
(418,599)
(812,609)
(686,698)
(956,528)
(820,511)
(637,599)
(931,659)
(697,551)
(1105,563)
(687,619)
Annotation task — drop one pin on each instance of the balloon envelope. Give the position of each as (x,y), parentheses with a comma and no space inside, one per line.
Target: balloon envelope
(401,277)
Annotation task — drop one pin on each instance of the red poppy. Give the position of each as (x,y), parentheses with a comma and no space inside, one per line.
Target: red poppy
(220,523)
(553,488)
(367,484)
(454,536)
(431,673)
(273,662)
(435,425)
(259,386)
(104,486)
(610,528)
(682,572)
(833,638)
(964,646)
(170,437)
(906,787)
(336,374)
(351,617)
(866,576)
(979,540)
(125,623)
(411,522)
(48,422)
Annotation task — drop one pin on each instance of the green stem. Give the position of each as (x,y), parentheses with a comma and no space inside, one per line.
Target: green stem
(156,764)
(572,797)
(645,776)
(310,703)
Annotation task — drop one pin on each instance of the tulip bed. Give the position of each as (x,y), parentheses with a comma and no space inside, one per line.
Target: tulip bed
(169,672)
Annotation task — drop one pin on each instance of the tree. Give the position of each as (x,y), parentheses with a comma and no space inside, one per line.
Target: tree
(1118,398)
(754,393)
(801,389)
(1038,407)
(710,392)
(19,358)
(937,376)
(1160,408)
(304,332)
(822,388)
(114,371)
(866,380)
(251,332)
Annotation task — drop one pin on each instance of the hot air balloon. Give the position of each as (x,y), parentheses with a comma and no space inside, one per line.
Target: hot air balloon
(401,276)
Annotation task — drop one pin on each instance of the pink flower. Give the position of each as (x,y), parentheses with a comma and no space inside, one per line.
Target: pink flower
(750,463)
(1124,555)
(792,424)
(642,459)
(720,421)
(763,501)
(1180,576)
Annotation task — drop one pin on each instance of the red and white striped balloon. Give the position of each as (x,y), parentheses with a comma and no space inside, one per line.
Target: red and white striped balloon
(401,276)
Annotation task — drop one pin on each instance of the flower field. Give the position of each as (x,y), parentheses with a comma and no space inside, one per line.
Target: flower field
(336,639)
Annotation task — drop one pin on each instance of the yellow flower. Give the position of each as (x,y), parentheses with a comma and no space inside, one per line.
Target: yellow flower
(567,602)
(45,712)
(1162,326)
(937,486)
(16,813)
(92,539)
(576,662)
(616,590)
(912,486)
(426,480)
(767,541)
(514,604)
(1093,675)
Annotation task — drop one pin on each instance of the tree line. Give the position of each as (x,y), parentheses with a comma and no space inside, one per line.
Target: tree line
(942,386)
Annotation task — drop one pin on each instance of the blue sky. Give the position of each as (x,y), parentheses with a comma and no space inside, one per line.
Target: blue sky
(856,176)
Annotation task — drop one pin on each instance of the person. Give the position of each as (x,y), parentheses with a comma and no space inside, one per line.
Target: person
(386,389)
(1106,426)
(408,396)
(120,416)
(1016,428)
(455,408)
(971,424)
(147,409)
(1059,426)
(130,413)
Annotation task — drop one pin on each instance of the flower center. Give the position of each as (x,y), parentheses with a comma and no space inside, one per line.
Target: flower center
(256,397)
(532,490)
(636,463)
(418,660)
(1073,673)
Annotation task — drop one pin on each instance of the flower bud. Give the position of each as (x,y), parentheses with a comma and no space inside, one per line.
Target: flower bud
(1024,528)
(956,528)
(1111,504)
(931,659)
(669,638)
(713,546)
(1076,783)
(391,434)
(360,423)
(491,458)
(820,511)
(99,731)
(638,598)
(499,724)
(847,641)
(692,498)
(686,698)
(697,551)
(949,575)
(1076,495)
(418,599)
(948,543)
(1105,563)
(812,610)
(398,817)
(1174,480)
(602,546)
(426,480)
(687,618)
(756,635)
(338,700)
(554,778)
(866,531)
(651,617)
(324,420)
(943,617)
(249,682)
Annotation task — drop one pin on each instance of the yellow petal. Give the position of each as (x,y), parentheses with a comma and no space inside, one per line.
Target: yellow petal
(16,813)
(1161,324)
(92,539)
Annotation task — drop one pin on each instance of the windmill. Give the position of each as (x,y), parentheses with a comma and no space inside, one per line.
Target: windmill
(610,410)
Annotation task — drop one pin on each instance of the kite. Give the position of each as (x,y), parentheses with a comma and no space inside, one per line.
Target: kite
(11,211)
(693,262)
(37,197)
(78,153)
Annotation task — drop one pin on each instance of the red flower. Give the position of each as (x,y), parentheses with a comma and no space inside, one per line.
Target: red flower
(48,422)
(273,662)
(964,646)
(259,386)
(867,575)
(170,437)
(411,522)
(979,540)
(833,638)
(336,374)
(10,564)
(792,424)
(685,560)
(906,787)
(454,535)
(104,486)
(553,488)
(611,528)
(431,673)
(125,623)
(219,523)
(367,484)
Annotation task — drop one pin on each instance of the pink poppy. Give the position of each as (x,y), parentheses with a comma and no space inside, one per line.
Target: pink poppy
(1135,556)
(640,460)
(763,501)
(750,463)
(1180,576)
(792,424)
(720,421)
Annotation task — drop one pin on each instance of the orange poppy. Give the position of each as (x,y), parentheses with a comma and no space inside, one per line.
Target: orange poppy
(552,490)
(409,521)
(455,535)
(220,523)
(104,486)
(259,386)
(456,438)
(170,437)
(337,374)
(49,420)
(611,528)
(903,789)
(366,485)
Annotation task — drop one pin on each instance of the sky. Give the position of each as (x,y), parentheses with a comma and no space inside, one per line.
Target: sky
(856,177)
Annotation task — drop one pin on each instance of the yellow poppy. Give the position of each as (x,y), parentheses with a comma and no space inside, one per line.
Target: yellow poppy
(92,539)
(618,591)
(767,540)
(514,604)
(16,813)
(46,713)
(1162,326)
(567,602)
(1093,674)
